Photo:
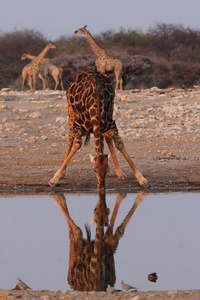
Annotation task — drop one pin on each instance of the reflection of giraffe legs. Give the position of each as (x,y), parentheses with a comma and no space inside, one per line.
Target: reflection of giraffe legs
(91,263)
(87,269)
(75,233)
(121,228)
(118,201)
(113,239)
(60,201)
(109,232)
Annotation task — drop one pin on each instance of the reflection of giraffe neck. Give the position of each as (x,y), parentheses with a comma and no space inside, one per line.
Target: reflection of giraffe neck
(96,259)
(98,50)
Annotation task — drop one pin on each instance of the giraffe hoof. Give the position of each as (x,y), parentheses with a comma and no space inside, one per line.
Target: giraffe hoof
(54,181)
(51,183)
(122,177)
(143,182)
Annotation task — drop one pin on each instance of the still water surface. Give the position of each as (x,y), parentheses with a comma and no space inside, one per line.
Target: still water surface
(162,236)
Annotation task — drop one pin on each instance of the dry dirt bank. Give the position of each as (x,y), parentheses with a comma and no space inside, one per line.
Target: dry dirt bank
(62,295)
(160,128)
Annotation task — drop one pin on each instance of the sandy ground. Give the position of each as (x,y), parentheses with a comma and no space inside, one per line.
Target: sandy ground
(161,132)
(62,295)
(162,136)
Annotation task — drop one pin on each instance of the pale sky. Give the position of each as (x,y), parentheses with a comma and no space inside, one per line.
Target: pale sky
(54,18)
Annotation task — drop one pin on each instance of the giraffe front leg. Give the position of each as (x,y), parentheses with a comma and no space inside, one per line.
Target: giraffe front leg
(34,81)
(120,146)
(71,150)
(120,174)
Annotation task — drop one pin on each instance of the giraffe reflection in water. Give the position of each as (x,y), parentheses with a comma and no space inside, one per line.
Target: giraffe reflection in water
(91,262)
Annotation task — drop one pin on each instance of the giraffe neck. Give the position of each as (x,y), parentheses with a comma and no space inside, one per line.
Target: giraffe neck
(31,56)
(42,54)
(44,60)
(98,50)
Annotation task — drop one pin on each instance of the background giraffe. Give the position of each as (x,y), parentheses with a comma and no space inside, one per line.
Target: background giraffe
(47,68)
(90,105)
(104,62)
(26,72)
(91,263)
(32,69)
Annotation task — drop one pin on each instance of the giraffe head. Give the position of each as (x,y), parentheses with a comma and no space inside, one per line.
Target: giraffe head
(51,45)
(24,56)
(81,30)
(101,168)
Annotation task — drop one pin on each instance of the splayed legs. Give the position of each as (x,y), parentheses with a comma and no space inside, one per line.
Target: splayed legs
(120,146)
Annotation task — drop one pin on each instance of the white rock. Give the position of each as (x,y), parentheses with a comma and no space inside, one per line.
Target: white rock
(54,145)
(3,120)
(61,120)
(35,115)
(44,137)
(23,110)
(5,90)
(31,140)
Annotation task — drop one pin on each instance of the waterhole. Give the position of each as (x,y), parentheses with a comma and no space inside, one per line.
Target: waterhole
(160,234)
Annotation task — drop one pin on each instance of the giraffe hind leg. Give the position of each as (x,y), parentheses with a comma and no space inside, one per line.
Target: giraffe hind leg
(30,82)
(61,83)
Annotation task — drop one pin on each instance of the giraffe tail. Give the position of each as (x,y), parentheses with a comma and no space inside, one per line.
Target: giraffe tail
(88,232)
(87,139)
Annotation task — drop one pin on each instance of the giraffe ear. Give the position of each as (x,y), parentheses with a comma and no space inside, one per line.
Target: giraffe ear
(85,26)
(92,158)
(93,220)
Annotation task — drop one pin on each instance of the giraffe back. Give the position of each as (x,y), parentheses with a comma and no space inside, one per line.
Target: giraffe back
(91,93)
